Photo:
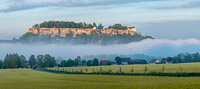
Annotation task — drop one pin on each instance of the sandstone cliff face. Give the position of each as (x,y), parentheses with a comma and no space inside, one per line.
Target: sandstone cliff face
(61,32)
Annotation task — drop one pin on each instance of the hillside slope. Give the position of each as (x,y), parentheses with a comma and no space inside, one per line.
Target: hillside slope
(81,33)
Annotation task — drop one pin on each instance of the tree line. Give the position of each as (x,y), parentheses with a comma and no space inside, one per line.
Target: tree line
(71,24)
(40,61)
(19,61)
(13,61)
(66,24)
(183,58)
(79,62)
(119,27)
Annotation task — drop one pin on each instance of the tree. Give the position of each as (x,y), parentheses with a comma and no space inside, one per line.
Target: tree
(100,70)
(119,26)
(84,25)
(170,59)
(196,57)
(81,25)
(63,63)
(1,64)
(118,60)
(49,61)
(90,26)
(23,61)
(70,63)
(40,59)
(7,61)
(89,63)
(32,61)
(188,58)
(100,26)
(14,61)
(120,70)
(36,26)
(77,60)
(163,69)
(84,62)
(132,70)
(177,60)
(164,60)
(95,62)
(145,69)
(94,24)
(86,70)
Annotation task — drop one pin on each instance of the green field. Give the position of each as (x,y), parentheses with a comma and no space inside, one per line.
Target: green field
(168,68)
(30,79)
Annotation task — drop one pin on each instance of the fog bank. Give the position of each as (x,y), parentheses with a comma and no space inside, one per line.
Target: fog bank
(152,47)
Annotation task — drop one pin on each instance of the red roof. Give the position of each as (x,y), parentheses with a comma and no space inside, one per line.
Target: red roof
(104,62)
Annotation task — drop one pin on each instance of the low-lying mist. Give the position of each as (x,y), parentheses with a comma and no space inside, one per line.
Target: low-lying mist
(152,47)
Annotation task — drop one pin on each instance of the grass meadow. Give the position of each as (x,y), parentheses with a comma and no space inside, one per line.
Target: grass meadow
(30,79)
(168,68)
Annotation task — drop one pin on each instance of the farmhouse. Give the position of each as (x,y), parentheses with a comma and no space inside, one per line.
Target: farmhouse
(154,61)
(107,62)
(124,61)
(137,61)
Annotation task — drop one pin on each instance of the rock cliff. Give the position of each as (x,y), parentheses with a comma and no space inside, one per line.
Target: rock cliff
(61,32)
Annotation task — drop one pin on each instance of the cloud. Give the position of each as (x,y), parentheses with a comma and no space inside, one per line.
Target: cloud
(17,5)
(174,4)
(152,47)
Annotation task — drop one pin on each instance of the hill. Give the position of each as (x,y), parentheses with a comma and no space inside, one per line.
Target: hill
(81,33)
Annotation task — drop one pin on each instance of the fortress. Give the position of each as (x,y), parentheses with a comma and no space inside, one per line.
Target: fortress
(61,32)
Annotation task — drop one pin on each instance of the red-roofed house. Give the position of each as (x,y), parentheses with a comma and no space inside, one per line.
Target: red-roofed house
(107,62)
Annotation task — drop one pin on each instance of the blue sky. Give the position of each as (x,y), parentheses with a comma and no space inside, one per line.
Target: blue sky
(163,19)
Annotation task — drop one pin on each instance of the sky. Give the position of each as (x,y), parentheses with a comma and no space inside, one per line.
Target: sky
(162,19)
(174,23)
